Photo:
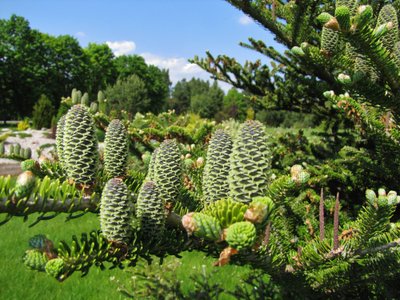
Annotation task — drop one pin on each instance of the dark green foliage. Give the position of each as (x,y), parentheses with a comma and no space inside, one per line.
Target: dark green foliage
(128,94)
(42,113)
(116,211)
(250,162)
(150,211)
(80,145)
(217,167)
(116,149)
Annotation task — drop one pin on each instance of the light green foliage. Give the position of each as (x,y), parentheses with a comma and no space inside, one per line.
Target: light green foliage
(55,267)
(217,167)
(116,149)
(226,211)
(42,113)
(203,226)
(31,165)
(250,163)
(168,171)
(25,183)
(60,140)
(116,211)
(35,259)
(150,211)
(80,145)
(241,235)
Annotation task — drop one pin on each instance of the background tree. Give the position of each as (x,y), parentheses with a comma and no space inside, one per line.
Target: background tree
(102,70)
(234,106)
(156,80)
(21,70)
(128,94)
(43,112)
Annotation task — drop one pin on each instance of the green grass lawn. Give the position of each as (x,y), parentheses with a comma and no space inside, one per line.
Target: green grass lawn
(18,282)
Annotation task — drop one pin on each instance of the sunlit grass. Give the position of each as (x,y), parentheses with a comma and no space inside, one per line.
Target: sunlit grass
(18,282)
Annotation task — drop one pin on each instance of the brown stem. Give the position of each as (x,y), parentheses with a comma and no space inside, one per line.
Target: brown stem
(321,216)
(267,234)
(336,224)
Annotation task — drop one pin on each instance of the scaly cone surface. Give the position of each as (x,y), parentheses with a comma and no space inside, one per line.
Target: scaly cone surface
(250,162)
(150,211)
(216,170)
(116,149)
(60,140)
(80,145)
(116,211)
(168,171)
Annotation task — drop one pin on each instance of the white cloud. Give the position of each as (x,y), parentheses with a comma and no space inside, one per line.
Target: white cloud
(121,47)
(179,68)
(245,20)
(80,34)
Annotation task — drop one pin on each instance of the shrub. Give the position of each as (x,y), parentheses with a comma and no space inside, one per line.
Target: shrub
(43,112)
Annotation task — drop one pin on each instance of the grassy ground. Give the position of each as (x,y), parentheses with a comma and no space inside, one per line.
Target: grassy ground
(17,282)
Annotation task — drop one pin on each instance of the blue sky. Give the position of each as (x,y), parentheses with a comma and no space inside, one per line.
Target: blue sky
(165,32)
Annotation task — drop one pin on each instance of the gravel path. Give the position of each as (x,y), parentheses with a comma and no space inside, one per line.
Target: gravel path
(37,138)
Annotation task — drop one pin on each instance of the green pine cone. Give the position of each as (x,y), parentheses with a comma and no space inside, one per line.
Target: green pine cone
(80,145)
(217,167)
(24,184)
(27,153)
(38,241)
(35,259)
(202,225)
(168,171)
(150,211)
(116,211)
(329,41)
(150,170)
(55,267)
(226,211)
(260,210)
(241,235)
(60,140)
(350,4)
(250,163)
(116,149)
(342,14)
(388,14)
(16,149)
